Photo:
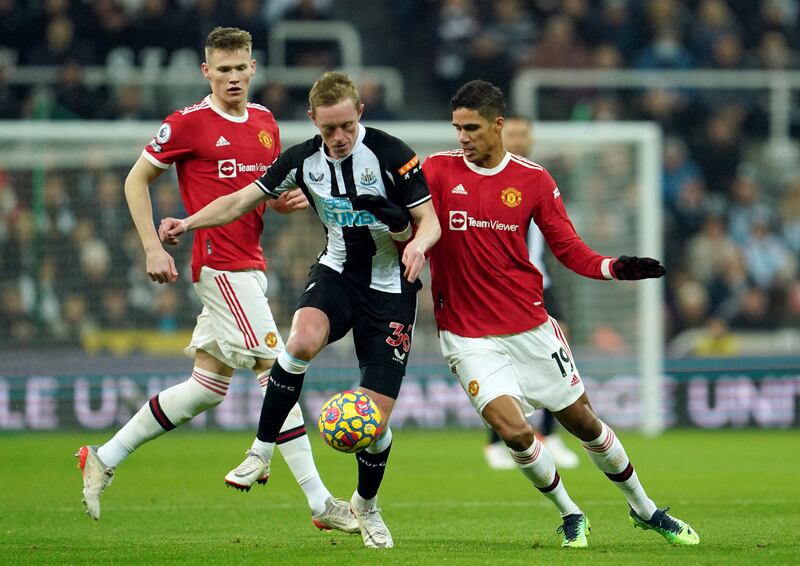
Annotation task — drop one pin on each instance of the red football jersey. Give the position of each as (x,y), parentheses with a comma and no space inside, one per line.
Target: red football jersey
(483,282)
(216,154)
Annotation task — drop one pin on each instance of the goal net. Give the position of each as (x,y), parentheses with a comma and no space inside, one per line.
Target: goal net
(73,270)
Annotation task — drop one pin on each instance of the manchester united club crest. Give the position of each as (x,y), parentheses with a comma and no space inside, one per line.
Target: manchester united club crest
(511,197)
(473,387)
(265,139)
(271,339)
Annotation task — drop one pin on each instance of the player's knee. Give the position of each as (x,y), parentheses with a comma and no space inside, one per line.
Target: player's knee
(519,437)
(305,342)
(586,426)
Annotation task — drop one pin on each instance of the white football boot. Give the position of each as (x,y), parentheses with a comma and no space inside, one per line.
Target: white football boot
(252,470)
(96,478)
(337,515)
(373,529)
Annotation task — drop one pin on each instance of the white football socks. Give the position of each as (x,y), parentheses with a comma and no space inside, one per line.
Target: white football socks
(609,456)
(167,410)
(537,464)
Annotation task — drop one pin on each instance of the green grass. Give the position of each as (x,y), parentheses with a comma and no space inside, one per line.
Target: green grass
(168,504)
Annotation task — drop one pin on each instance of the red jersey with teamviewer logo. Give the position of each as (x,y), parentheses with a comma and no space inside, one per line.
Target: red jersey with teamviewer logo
(216,154)
(483,282)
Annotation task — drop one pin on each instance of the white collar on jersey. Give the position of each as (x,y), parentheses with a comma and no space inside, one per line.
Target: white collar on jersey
(494,170)
(237,119)
(356,146)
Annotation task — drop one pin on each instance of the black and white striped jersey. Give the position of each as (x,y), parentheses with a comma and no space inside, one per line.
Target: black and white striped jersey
(359,246)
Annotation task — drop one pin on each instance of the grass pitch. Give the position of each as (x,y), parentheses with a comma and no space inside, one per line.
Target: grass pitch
(168,504)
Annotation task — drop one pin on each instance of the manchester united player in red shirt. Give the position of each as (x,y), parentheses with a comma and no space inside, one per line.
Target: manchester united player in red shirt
(495,333)
(217,145)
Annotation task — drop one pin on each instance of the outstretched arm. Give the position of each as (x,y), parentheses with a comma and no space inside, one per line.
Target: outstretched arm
(159,264)
(221,211)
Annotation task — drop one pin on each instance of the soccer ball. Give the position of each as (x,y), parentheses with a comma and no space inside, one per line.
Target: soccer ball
(350,421)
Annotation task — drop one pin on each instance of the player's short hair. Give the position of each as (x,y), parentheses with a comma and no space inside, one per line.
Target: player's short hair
(330,88)
(228,39)
(482,96)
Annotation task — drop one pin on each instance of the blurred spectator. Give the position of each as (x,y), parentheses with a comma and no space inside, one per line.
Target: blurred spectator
(458,24)
(691,305)
(73,99)
(711,251)
(108,26)
(75,321)
(17,254)
(157,23)
(374,99)
(717,340)
(665,51)
(789,211)
(11,96)
(718,151)
(128,104)
(512,29)
(275,96)
(753,311)
(488,61)
(16,324)
(714,21)
(558,47)
(745,207)
(58,216)
(115,312)
(679,169)
(614,24)
(774,52)
(247,14)
(790,308)
(769,261)
(61,45)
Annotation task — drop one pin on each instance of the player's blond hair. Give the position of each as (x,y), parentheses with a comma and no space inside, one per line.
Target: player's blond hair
(330,88)
(228,39)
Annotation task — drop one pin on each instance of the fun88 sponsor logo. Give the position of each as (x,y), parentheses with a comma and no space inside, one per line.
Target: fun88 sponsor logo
(340,211)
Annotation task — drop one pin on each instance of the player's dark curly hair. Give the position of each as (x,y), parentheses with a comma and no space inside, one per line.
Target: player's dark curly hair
(482,96)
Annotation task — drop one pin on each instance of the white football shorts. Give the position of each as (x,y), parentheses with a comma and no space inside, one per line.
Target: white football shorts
(235,325)
(534,367)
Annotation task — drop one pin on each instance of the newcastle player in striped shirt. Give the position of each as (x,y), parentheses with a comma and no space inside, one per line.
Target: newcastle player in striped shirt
(367,189)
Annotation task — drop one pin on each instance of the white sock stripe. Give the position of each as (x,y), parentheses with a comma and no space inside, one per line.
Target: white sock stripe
(211,385)
(211,375)
(606,444)
(523,458)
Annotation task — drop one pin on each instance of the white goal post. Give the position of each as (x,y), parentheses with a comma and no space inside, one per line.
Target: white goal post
(46,146)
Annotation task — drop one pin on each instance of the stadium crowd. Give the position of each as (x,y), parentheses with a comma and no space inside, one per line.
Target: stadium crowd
(71,262)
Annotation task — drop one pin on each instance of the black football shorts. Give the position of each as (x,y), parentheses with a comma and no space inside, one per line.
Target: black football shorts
(382,324)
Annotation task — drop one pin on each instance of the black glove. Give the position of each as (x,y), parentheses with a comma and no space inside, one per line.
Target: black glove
(631,267)
(394,216)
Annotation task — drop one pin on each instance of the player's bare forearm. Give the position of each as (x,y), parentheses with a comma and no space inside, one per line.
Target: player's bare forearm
(226,209)
(159,264)
(427,234)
